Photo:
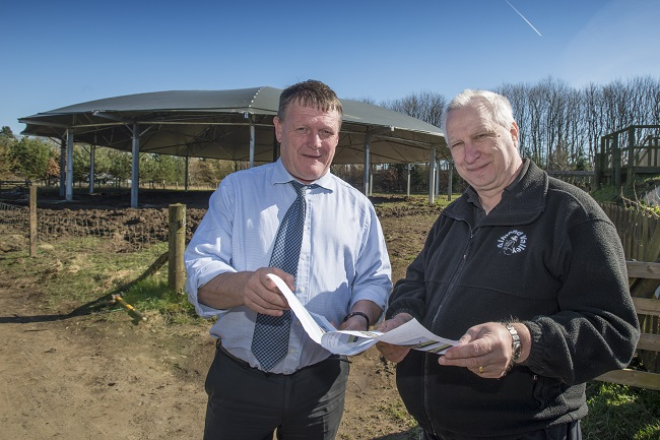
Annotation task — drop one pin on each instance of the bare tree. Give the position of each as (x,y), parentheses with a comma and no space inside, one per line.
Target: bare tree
(560,127)
(426,106)
(518,96)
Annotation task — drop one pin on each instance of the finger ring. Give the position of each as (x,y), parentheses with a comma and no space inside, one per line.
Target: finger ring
(481,370)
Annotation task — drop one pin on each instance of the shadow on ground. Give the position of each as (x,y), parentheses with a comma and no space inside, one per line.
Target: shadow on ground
(411,434)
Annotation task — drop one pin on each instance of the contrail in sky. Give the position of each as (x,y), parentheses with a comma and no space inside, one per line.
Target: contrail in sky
(523,17)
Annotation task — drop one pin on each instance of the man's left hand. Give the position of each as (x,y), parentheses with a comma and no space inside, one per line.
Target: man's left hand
(393,353)
(485,349)
(356,322)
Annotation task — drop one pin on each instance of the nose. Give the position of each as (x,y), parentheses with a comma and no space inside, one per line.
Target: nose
(471,152)
(314,140)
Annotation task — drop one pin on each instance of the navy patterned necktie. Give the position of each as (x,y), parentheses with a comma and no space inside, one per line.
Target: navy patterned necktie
(270,341)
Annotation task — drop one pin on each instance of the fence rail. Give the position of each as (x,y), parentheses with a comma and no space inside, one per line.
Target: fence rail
(638,230)
(649,343)
(626,153)
(582,179)
(20,186)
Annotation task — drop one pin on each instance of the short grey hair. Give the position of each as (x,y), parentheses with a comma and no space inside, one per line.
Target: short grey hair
(498,106)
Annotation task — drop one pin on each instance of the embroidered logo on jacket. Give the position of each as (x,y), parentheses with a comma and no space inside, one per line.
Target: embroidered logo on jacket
(512,242)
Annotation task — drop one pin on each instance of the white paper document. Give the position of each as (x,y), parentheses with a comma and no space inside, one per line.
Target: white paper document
(349,342)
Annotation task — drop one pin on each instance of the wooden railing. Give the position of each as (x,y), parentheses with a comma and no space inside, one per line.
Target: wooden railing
(638,230)
(582,179)
(625,153)
(648,310)
(21,186)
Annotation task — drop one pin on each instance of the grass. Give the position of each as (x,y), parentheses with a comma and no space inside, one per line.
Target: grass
(397,412)
(619,412)
(81,274)
(154,294)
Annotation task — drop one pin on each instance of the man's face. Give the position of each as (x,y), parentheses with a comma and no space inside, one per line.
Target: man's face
(308,139)
(485,153)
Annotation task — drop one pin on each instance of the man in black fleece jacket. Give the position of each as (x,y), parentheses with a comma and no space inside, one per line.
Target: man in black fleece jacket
(529,274)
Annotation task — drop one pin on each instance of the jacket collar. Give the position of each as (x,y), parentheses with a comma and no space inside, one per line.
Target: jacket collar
(522,203)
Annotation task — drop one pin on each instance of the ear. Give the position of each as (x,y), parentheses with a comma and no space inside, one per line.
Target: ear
(514,133)
(278,128)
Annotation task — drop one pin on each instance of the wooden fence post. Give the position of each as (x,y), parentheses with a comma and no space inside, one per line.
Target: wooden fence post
(616,162)
(632,162)
(598,164)
(177,242)
(33,220)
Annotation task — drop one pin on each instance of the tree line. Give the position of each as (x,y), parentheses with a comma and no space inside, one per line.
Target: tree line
(560,129)
(38,159)
(561,126)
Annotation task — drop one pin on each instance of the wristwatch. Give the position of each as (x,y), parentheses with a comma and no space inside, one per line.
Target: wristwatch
(350,315)
(515,343)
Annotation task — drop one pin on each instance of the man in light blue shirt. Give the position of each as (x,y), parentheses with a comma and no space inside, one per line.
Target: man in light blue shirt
(343,273)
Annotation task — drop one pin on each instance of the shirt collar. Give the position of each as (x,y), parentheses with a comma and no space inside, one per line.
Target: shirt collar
(281,175)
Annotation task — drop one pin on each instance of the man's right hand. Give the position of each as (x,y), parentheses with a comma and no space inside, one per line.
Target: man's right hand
(393,353)
(253,289)
(262,295)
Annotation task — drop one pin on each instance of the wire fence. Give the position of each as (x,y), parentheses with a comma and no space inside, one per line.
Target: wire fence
(119,230)
(14,227)
(13,217)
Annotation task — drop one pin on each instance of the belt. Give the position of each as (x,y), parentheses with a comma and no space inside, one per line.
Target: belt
(244,364)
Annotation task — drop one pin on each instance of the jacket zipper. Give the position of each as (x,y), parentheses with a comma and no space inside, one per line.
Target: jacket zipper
(450,291)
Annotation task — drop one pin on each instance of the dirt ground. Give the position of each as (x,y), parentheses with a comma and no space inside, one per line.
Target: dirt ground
(101,377)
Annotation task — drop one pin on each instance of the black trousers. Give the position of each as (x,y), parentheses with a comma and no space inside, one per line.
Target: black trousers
(247,404)
(567,431)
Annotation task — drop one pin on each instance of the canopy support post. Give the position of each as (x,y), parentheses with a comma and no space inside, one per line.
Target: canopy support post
(408,183)
(432,171)
(63,166)
(92,156)
(135,168)
(252,139)
(367,162)
(69,164)
(371,180)
(437,178)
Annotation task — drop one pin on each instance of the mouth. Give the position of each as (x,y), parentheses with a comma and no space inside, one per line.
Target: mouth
(476,168)
(312,157)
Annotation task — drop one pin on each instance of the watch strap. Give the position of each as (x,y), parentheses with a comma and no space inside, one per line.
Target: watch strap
(515,343)
(350,315)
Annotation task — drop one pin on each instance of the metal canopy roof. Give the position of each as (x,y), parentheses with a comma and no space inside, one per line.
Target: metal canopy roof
(217,123)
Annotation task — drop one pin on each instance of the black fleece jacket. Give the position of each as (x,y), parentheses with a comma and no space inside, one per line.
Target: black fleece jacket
(547,256)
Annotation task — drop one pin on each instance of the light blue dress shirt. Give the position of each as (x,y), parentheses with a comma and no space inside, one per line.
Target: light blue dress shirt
(343,258)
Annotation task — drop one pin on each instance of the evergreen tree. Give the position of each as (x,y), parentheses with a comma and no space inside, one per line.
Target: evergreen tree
(7,141)
(30,157)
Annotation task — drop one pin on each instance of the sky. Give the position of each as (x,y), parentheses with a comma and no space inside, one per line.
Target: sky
(59,53)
